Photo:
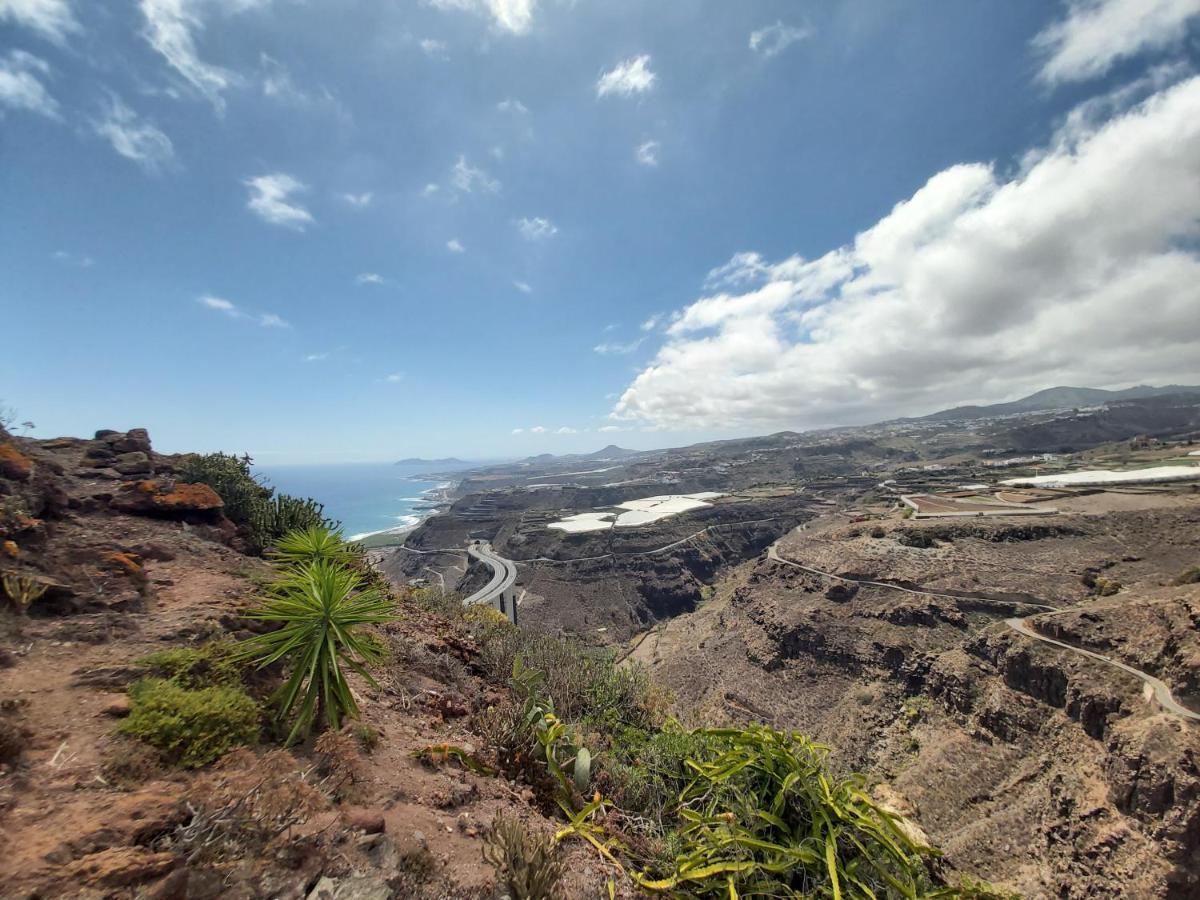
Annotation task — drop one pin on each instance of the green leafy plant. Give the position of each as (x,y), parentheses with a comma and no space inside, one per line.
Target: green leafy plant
(213,663)
(320,608)
(190,727)
(312,543)
(528,865)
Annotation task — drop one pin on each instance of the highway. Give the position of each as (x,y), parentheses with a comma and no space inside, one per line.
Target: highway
(1161,692)
(504,573)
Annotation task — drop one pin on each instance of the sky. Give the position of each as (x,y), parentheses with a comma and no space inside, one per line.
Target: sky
(373,229)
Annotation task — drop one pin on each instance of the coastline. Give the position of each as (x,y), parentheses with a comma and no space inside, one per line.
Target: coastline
(439,499)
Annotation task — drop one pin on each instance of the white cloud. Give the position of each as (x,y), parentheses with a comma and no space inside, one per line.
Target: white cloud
(394,378)
(219,304)
(468,178)
(134,138)
(1079,268)
(518,431)
(359,201)
(170,28)
(316,357)
(610,348)
(512,16)
(536,229)
(231,309)
(71,259)
(270,199)
(538,429)
(370,278)
(454,245)
(523,287)
(52,19)
(647,153)
(1098,33)
(651,323)
(429,190)
(432,48)
(566,429)
(774,39)
(20,87)
(607,429)
(632,76)
(513,106)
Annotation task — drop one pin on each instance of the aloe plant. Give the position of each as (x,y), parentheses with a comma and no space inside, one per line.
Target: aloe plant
(320,607)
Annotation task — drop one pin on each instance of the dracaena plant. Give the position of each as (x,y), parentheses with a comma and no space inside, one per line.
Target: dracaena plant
(306,545)
(321,608)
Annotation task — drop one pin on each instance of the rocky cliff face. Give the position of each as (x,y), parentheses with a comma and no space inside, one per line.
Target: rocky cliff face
(1049,772)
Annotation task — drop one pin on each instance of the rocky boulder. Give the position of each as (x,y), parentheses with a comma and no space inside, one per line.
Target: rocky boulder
(164,498)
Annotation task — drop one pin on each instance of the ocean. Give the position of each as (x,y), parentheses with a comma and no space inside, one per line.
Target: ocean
(367,498)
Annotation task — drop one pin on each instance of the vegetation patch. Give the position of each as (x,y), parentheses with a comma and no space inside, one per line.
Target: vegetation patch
(528,865)
(190,727)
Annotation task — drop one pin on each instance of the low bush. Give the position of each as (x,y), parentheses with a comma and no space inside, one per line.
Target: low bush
(210,664)
(1188,576)
(528,865)
(262,515)
(190,727)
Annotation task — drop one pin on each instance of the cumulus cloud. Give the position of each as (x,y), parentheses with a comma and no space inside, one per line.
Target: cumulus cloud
(316,357)
(512,106)
(538,429)
(52,19)
(774,39)
(523,287)
(518,431)
(270,320)
(394,378)
(567,429)
(651,323)
(1079,268)
(647,153)
(610,348)
(359,201)
(369,278)
(133,137)
(433,48)
(632,76)
(468,178)
(21,87)
(1096,34)
(454,245)
(512,16)
(271,200)
(536,229)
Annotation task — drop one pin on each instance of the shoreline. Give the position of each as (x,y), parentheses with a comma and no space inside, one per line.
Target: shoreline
(439,499)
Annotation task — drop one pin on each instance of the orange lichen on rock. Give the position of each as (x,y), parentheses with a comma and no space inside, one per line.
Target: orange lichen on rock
(14,463)
(129,562)
(11,550)
(190,496)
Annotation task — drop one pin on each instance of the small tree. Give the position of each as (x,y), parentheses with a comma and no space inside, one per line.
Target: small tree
(320,607)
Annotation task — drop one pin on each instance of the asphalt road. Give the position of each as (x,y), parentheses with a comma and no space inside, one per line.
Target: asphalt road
(504,573)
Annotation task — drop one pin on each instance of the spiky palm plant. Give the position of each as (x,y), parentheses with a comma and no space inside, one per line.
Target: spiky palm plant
(306,545)
(320,607)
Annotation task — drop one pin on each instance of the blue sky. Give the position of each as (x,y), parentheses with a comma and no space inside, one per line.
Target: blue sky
(366,230)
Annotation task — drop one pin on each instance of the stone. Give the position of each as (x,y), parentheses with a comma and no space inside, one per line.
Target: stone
(117,708)
(133,463)
(355,887)
(105,433)
(165,499)
(100,452)
(134,440)
(13,463)
(369,821)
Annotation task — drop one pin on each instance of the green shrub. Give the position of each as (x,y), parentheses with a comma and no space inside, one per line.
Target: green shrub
(320,609)
(262,515)
(190,727)
(528,865)
(213,663)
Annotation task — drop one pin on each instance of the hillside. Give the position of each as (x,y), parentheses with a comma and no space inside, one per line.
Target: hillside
(1057,398)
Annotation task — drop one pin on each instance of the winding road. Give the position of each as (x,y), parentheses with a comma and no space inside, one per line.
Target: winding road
(504,573)
(1161,692)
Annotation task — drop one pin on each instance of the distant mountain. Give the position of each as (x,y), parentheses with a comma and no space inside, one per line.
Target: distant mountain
(418,461)
(612,451)
(1057,398)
